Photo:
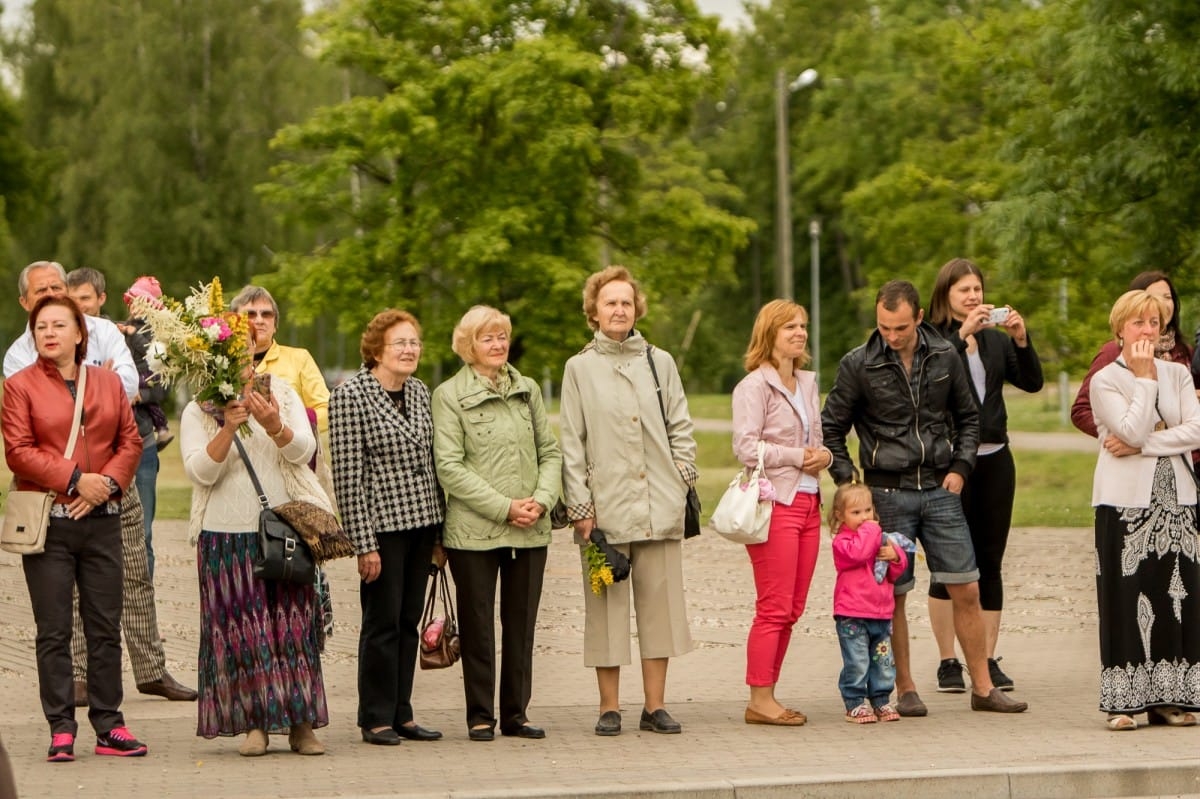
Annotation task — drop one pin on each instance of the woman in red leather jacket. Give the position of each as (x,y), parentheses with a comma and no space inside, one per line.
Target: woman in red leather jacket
(83,543)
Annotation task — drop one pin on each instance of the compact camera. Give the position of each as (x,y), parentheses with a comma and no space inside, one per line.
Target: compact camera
(997,316)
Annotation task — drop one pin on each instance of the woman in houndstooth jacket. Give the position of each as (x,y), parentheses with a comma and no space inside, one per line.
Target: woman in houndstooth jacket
(381,440)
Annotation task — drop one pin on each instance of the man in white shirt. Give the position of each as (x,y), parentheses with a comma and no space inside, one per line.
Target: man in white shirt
(139,623)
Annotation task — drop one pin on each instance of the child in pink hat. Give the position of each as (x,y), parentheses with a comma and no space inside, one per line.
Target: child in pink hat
(147,287)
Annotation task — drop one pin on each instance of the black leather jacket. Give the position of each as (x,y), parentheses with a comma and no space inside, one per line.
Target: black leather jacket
(1003,361)
(907,438)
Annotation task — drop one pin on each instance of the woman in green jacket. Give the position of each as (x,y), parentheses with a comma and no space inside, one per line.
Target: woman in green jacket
(500,467)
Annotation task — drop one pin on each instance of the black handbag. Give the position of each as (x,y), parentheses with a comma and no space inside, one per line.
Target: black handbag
(282,553)
(691,507)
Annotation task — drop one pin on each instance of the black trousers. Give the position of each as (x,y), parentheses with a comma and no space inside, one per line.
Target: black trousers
(475,572)
(987,500)
(85,553)
(387,642)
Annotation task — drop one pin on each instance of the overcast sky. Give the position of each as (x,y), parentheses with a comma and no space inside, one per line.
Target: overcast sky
(730,10)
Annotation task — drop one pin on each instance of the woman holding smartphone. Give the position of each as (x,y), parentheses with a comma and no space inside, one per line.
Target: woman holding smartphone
(995,348)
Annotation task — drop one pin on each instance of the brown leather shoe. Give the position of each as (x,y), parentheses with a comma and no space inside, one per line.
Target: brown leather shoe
(167,688)
(81,693)
(997,702)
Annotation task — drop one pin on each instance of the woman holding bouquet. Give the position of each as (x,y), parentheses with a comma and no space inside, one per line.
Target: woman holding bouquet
(627,464)
(83,542)
(381,439)
(499,463)
(260,668)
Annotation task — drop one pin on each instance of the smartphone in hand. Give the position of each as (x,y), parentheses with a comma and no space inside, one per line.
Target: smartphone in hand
(262,384)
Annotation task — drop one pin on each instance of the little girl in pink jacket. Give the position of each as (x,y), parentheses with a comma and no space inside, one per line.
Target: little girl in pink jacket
(863,607)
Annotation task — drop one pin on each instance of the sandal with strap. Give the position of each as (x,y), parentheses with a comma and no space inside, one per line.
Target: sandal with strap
(1170,716)
(863,714)
(1119,722)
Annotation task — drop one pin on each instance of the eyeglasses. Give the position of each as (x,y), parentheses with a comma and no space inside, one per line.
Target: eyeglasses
(267,314)
(405,344)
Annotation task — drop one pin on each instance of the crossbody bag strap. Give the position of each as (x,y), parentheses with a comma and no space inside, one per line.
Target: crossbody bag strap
(658,390)
(262,495)
(80,385)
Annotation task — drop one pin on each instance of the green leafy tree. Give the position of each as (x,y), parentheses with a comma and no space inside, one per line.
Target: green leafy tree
(153,120)
(498,152)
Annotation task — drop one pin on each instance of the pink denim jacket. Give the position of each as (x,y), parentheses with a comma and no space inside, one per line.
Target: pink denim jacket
(762,410)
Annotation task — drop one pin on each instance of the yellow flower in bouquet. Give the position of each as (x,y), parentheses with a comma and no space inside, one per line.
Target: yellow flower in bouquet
(197,343)
(599,572)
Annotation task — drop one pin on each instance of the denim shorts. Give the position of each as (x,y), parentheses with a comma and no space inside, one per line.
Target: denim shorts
(935,518)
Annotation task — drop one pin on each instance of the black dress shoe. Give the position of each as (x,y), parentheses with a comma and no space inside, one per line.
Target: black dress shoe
(659,721)
(385,737)
(415,732)
(168,688)
(481,734)
(525,731)
(609,723)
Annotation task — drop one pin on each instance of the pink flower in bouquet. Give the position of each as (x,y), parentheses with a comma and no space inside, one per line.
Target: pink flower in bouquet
(222,330)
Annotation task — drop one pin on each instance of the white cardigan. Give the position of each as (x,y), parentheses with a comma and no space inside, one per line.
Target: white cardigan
(1125,406)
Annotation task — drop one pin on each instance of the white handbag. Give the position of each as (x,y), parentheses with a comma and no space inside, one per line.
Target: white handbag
(740,516)
(27,513)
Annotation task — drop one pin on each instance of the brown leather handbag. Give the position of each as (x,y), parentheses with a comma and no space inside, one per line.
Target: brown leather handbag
(439,634)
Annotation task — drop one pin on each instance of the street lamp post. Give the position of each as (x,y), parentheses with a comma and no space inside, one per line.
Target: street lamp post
(814,310)
(783,198)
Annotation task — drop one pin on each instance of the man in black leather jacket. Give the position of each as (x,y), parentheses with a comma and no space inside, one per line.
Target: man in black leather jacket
(908,397)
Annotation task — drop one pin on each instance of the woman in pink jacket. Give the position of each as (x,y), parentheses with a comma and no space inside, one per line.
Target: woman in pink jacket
(777,403)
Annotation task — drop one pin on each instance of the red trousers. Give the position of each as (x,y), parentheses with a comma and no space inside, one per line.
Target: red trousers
(783,570)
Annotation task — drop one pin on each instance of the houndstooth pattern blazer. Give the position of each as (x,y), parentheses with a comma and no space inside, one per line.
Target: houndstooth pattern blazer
(383,472)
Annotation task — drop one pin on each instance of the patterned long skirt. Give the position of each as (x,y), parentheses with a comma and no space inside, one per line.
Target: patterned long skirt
(260,666)
(1148,590)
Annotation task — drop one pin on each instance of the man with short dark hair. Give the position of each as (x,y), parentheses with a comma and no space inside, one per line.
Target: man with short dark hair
(86,286)
(908,397)
(139,623)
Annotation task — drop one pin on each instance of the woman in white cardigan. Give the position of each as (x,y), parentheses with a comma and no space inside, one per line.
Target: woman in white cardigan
(1147,574)
(259,665)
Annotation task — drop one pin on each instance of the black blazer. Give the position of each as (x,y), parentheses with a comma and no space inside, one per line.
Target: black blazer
(383,472)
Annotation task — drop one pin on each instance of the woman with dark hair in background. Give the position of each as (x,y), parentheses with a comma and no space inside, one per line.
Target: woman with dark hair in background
(992,358)
(1171,346)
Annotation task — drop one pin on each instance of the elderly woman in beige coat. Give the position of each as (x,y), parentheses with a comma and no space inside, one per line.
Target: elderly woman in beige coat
(627,463)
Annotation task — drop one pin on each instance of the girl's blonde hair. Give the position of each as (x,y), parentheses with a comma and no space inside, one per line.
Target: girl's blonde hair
(846,493)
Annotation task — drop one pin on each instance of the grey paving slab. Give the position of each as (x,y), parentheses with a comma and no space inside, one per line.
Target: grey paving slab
(1060,748)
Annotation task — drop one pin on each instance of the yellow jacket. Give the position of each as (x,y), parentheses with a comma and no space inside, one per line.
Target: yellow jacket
(298,368)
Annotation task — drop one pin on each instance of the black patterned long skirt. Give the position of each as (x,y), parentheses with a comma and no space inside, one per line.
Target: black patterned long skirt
(1148,592)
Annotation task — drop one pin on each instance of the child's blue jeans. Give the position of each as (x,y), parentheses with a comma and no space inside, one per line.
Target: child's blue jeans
(868,671)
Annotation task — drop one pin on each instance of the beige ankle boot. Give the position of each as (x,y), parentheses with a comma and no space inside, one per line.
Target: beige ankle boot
(255,744)
(302,740)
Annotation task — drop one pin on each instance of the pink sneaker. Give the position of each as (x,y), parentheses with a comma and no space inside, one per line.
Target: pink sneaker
(62,748)
(119,741)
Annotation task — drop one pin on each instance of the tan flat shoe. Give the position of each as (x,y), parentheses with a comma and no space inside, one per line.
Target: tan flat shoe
(255,744)
(788,718)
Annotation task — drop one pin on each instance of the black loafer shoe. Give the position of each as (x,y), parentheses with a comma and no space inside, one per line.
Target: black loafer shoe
(415,732)
(659,721)
(525,731)
(388,737)
(482,734)
(609,723)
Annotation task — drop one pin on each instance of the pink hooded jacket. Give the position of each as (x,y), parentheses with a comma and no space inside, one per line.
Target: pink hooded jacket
(855,593)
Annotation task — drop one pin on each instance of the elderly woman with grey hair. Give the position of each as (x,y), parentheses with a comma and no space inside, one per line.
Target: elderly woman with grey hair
(500,466)
(628,459)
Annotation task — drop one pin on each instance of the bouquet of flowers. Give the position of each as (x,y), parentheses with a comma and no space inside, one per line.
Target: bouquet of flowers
(199,343)
(605,564)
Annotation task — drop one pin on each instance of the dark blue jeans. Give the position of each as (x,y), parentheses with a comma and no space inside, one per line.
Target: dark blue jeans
(868,671)
(146,481)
